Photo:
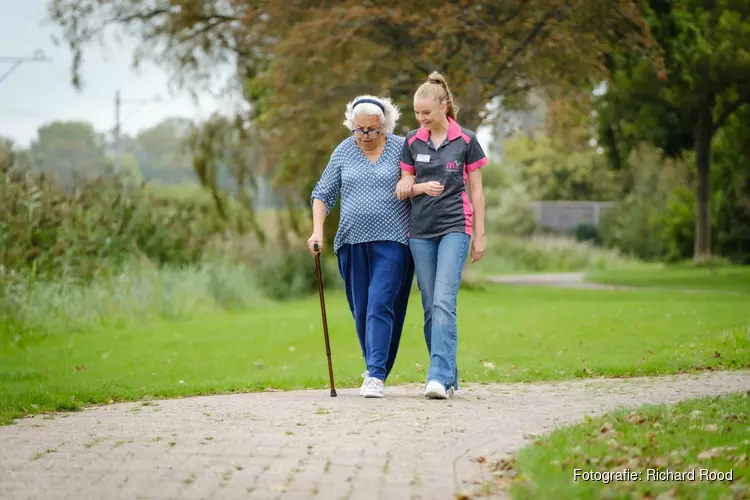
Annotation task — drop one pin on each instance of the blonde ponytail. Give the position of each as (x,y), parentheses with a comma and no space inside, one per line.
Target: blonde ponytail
(437,87)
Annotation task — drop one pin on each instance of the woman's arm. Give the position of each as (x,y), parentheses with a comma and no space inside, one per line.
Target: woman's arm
(477,201)
(323,198)
(407,187)
(320,212)
(475,160)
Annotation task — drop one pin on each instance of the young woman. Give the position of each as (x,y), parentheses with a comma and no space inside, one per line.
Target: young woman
(438,161)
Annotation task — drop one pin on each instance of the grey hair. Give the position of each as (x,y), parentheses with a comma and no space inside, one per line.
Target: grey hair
(388,119)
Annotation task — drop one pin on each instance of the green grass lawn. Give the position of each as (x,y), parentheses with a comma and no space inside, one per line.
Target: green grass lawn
(729,278)
(706,435)
(506,333)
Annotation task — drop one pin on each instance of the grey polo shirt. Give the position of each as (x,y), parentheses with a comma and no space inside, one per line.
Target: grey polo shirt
(449,164)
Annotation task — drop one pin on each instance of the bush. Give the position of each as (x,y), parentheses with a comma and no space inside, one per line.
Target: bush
(677,225)
(508,212)
(636,224)
(556,169)
(588,233)
(291,273)
(547,253)
(96,224)
(507,202)
(656,220)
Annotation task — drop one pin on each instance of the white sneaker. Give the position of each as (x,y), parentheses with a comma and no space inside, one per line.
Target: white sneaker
(436,390)
(373,388)
(365,376)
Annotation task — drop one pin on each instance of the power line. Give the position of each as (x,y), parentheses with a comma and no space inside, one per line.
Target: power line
(118,121)
(37,56)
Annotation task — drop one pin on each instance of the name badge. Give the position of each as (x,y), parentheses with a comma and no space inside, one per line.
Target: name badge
(423,158)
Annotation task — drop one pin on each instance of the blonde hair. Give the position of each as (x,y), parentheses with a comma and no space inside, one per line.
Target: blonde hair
(389,115)
(437,87)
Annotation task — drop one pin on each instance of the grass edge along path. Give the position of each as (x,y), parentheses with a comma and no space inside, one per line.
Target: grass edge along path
(697,448)
(677,277)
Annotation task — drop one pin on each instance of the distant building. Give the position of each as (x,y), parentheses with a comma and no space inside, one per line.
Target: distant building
(566,215)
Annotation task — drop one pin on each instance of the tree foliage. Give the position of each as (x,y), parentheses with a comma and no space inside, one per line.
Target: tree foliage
(706,80)
(299,61)
(69,149)
(562,171)
(94,225)
(222,148)
(159,153)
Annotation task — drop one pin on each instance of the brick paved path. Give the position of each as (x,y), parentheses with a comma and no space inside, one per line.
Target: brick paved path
(306,444)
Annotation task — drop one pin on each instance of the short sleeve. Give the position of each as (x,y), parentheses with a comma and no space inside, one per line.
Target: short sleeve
(407,160)
(329,185)
(475,157)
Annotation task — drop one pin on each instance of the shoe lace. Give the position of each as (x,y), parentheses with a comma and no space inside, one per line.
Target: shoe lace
(373,383)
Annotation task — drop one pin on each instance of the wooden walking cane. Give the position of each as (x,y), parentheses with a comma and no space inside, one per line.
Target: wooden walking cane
(325,320)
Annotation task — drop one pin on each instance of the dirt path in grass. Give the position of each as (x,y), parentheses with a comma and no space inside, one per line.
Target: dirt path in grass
(561,280)
(305,444)
(578,280)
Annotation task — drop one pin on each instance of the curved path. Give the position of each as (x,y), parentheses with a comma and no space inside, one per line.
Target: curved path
(305,444)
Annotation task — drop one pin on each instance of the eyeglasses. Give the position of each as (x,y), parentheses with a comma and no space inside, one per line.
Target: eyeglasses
(372,134)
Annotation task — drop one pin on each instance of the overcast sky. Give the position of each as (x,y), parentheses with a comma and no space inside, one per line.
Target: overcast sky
(36,93)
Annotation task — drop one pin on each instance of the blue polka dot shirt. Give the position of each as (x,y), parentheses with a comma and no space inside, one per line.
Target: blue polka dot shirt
(370,210)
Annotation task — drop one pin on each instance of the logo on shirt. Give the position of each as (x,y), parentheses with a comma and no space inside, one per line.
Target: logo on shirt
(452,165)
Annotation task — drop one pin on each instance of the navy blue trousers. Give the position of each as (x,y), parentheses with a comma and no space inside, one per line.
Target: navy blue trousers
(378,277)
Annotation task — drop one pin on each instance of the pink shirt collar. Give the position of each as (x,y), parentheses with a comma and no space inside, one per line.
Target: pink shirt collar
(454,132)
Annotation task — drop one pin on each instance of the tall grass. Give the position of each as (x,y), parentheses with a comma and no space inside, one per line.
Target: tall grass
(138,292)
(548,253)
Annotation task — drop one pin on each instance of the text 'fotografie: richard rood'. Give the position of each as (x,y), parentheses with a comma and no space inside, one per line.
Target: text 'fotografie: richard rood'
(652,475)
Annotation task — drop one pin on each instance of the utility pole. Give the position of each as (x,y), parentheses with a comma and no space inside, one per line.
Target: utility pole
(38,56)
(117,132)
(118,159)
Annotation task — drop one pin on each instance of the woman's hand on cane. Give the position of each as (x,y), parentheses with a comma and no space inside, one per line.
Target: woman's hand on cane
(315,239)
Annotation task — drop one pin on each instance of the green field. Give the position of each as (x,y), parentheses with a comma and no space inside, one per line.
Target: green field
(506,333)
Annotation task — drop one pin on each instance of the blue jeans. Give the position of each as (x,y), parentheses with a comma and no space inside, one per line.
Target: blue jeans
(377,277)
(439,264)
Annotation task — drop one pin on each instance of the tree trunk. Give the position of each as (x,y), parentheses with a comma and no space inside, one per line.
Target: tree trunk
(703,136)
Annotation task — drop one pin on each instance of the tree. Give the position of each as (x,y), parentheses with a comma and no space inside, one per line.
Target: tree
(299,61)
(67,149)
(12,156)
(221,148)
(706,80)
(159,152)
(730,178)
(562,171)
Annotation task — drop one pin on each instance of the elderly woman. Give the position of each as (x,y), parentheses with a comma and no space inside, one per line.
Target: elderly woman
(371,243)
